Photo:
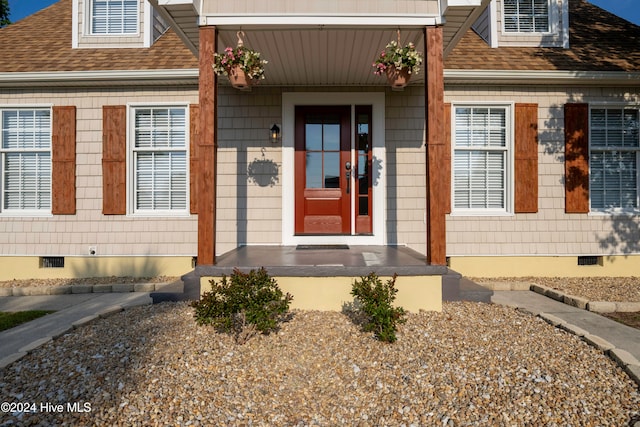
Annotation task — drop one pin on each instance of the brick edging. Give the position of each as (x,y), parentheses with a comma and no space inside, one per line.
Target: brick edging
(83,289)
(583,303)
(622,358)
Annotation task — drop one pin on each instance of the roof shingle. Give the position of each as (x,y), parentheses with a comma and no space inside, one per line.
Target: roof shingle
(599,41)
(42,42)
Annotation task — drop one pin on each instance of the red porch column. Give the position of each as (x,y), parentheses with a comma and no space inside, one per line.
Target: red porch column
(207,147)
(436,149)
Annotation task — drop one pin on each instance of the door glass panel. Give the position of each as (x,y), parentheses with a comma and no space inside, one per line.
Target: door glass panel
(313,136)
(331,170)
(331,135)
(314,169)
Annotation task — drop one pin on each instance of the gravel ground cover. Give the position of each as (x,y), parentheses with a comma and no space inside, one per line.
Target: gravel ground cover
(472,364)
(613,289)
(84,281)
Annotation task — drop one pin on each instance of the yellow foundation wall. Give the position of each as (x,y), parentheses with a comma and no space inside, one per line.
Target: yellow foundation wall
(21,268)
(545,266)
(331,293)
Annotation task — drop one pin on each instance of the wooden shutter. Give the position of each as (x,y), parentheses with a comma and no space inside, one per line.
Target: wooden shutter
(194,130)
(114,156)
(526,158)
(446,167)
(63,160)
(576,158)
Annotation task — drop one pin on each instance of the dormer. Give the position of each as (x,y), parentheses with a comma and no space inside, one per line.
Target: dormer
(525,23)
(115,24)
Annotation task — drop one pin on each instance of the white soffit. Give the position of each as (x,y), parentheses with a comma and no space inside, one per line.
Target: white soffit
(510,77)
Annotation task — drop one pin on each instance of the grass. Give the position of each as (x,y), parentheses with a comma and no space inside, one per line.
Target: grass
(10,320)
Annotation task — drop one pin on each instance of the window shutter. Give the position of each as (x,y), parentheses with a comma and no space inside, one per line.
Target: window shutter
(447,157)
(63,161)
(194,117)
(114,155)
(576,158)
(526,158)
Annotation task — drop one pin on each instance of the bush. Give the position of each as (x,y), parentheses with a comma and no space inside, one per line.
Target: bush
(244,303)
(375,299)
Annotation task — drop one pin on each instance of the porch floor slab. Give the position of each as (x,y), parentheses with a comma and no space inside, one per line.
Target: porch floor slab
(353,261)
(327,261)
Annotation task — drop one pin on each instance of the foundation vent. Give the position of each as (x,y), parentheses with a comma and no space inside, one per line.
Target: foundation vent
(52,262)
(589,260)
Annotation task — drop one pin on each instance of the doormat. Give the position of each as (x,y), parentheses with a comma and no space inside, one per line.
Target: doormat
(330,247)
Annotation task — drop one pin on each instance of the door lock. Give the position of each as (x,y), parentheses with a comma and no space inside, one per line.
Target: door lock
(347,167)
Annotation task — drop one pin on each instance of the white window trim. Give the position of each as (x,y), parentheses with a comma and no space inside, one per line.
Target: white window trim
(89,23)
(613,211)
(553,22)
(510,156)
(131,210)
(30,212)
(289,102)
(81,36)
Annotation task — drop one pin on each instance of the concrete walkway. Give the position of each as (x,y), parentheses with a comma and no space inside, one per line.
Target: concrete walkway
(620,342)
(72,310)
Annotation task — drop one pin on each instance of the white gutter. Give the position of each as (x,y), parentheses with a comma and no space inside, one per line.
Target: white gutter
(542,77)
(116,77)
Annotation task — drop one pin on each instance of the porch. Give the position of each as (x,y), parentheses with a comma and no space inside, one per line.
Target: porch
(329,271)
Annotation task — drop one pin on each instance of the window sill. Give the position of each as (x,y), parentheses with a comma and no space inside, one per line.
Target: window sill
(25,214)
(481,213)
(615,212)
(160,214)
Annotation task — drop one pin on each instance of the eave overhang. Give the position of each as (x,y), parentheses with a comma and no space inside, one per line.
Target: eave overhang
(177,77)
(542,77)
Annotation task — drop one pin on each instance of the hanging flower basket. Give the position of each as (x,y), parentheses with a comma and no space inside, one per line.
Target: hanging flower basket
(238,78)
(398,63)
(241,65)
(397,78)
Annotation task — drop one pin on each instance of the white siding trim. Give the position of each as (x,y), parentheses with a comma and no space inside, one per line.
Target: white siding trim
(289,102)
(297,20)
(74,24)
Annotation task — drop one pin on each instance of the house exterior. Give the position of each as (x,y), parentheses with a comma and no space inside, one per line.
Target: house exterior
(514,152)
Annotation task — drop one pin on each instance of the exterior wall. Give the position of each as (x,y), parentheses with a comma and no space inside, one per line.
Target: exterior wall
(112,235)
(419,7)
(406,169)
(549,232)
(249,199)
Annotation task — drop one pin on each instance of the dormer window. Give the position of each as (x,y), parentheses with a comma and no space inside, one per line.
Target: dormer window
(526,16)
(114,17)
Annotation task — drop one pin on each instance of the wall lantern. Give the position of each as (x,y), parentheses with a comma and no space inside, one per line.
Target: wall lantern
(274,132)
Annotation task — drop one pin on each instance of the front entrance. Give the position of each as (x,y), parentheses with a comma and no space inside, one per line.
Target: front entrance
(332,170)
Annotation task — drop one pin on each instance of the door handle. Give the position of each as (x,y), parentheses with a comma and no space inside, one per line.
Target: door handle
(347,167)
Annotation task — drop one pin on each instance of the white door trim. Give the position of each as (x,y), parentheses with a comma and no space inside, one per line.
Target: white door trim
(289,102)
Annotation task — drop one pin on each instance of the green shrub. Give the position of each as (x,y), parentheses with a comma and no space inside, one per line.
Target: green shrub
(375,299)
(244,303)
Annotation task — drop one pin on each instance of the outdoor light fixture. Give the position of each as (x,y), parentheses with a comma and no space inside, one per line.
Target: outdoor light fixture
(275,133)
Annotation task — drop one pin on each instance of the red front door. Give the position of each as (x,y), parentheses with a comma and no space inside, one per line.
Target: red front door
(322,167)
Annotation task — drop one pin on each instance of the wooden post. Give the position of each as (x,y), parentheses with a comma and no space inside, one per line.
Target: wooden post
(437,194)
(207,147)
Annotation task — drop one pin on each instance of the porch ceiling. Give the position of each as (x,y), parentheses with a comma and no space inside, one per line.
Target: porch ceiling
(320,49)
(317,57)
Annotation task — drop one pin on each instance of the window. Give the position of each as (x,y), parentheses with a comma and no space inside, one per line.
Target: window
(526,16)
(114,16)
(159,160)
(615,147)
(481,159)
(25,152)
